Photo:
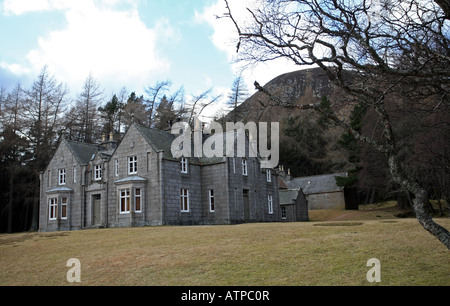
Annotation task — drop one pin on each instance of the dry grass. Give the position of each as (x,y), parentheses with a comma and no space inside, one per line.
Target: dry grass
(249,254)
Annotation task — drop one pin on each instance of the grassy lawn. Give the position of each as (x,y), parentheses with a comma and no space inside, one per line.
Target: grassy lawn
(333,252)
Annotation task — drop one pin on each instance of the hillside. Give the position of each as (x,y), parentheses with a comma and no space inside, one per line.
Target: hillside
(300,87)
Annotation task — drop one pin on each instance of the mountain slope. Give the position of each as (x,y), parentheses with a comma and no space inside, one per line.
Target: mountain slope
(305,146)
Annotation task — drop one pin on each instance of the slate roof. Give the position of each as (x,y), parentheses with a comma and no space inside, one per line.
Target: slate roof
(83,152)
(158,140)
(315,184)
(60,189)
(131,179)
(162,141)
(288,196)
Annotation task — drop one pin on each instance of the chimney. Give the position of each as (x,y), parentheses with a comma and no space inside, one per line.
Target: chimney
(103,138)
(111,144)
(288,176)
(281,171)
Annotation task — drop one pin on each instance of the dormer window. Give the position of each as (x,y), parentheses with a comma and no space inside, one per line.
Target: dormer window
(98,172)
(184,165)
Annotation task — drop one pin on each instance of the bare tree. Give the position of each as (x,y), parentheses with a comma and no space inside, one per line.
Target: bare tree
(155,93)
(170,109)
(199,103)
(87,104)
(42,113)
(378,52)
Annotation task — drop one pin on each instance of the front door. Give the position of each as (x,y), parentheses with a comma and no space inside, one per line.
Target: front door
(96,203)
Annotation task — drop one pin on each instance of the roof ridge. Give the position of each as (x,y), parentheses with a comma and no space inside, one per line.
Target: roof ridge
(152,128)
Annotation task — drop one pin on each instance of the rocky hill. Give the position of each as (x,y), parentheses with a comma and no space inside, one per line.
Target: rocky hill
(307,147)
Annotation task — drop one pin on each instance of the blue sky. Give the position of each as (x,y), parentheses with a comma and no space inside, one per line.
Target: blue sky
(123,43)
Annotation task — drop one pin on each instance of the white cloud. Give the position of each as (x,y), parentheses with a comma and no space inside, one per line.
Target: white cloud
(115,45)
(19,7)
(225,38)
(14,68)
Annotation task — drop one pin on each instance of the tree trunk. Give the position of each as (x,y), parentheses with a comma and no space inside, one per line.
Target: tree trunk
(420,203)
(441,211)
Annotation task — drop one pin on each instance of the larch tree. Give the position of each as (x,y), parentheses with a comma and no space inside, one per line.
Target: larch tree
(238,94)
(88,102)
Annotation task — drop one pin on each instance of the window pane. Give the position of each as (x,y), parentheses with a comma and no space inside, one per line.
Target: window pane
(122,204)
(137,199)
(64,211)
(138,204)
(64,208)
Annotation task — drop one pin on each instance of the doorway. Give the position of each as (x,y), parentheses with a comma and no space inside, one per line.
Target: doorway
(96,204)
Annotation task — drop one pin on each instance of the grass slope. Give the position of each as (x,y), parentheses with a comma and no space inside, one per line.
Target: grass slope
(333,252)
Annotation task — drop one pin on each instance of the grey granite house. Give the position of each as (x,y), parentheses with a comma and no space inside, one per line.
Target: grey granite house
(140,183)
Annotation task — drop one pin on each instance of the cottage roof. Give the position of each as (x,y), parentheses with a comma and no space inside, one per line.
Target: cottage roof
(281,184)
(288,196)
(315,184)
(83,152)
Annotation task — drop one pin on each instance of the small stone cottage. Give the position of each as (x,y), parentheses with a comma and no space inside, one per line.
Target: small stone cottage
(321,191)
(140,183)
(293,205)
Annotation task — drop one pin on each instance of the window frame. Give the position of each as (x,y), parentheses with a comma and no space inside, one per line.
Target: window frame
(62,176)
(136,197)
(283,212)
(270,203)
(212,200)
(127,201)
(269,176)
(53,208)
(98,172)
(184,199)
(64,206)
(184,165)
(132,164)
(244,167)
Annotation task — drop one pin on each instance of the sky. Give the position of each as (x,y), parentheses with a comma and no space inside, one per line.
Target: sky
(126,43)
